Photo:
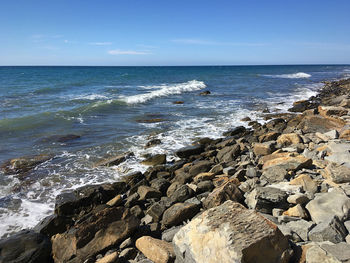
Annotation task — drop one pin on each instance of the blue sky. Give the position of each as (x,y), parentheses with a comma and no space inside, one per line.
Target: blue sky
(162,32)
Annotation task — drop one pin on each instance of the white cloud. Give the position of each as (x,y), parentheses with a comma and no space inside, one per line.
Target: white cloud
(100,43)
(127,52)
(214,43)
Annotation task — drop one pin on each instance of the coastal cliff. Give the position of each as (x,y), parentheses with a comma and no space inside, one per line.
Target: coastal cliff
(274,192)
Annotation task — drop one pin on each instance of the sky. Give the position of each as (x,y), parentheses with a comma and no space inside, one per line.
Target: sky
(168,32)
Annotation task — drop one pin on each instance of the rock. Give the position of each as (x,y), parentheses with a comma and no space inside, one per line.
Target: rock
(289,163)
(53,224)
(178,213)
(61,138)
(246,119)
(328,252)
(302,105)
(230,233)
(276,125)
(264,148)
(228,153)
(158,251)
(338,173)
(333,231)
(160,184)
(155,160)
(181,194)
(152,143)
(168,235)
(96,233)
(115,160)
(308,184)
(204,186)
(110,258)
(270,136)
(327,111)
(296,211)
(206,92)
(132,200)
(227,191)
(126,243)
(117,200)
(332,135)
(189,150)
(317,123)
(178,102)
(264,199)
(203,177)
(229,171)
(216,169)
(128,253)
(301,228)
(86,198)
(25,246)
(23,164)
(275,174)
(156,210)
(298,199)
(327,205)
(153,120)
(133,178)
(289,139)
(236,131)
(147,192)
(200,167)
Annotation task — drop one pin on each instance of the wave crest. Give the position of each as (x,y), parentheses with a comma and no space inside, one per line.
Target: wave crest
(299,75)
(164,91)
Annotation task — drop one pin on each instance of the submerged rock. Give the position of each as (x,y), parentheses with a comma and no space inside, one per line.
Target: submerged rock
(230,233)
(23,164)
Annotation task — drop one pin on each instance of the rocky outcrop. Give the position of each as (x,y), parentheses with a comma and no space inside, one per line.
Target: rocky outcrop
(230,233)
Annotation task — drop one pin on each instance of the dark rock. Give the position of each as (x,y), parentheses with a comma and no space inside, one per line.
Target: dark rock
(228,154)
(200,167)
(274,174)
(168,234)
(227,191)
(25,246)
(236,131)
(153,142)
(264,199)
(23,164)
(137,211)
(276,125)
(115,160)
(178,213)
(155,160)
(133,178)
(156,210)
(160,184)
(132,200)
(53,224)
(332,230)
(178,102)
(87,197)
(61,138)
(205,186)
(154,120)
(97,233)
(181,194)
(146,192)
(303,105)
(206,92)
(189,150)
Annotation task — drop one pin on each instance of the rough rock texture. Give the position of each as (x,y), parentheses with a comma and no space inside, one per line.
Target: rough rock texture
(327,205)
(289,139)
(178,213)
(227,191)
(230,233)
(338,173)
(158,251)
(100,231)
(155,160)
(328,253)
(332,230)
(25,246)
(190,150)
(23,164)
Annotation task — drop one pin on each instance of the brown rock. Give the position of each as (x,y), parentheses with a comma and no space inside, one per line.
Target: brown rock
(289,163)
(115,201)
(178,102)
(289,139)
(264,148)
(23,164)
(158,251)
(230,233)
(146,192)
(155,160)
(96,233)
(227,191)
(178,213)
(115,160)
(327,111)
(296,211)
(308,184)
(345,134)
(270,136)
(203,177)
(110,258)
(317,123)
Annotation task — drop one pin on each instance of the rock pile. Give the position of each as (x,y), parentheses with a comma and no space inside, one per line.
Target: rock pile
(278,192)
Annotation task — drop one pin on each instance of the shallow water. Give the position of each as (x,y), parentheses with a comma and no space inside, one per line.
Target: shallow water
(109,108)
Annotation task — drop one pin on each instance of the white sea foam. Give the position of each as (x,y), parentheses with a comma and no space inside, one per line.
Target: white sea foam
(163,91)
(299,75)
(89,97)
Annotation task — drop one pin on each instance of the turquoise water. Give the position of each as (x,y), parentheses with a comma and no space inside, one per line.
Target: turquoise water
(107,108)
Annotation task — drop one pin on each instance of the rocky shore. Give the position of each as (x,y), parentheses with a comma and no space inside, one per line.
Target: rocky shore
(274,192)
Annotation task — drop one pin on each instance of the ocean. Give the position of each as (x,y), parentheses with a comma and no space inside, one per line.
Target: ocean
(113,110)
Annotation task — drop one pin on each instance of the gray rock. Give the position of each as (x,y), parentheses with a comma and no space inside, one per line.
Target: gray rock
(156,210)
(190,150)
(205,186)
(229,170)
(168,234)
(326,205)
(274,174)
(328,252)
(216,169)
(160,184)
(178,213)
(126,243)
(276,212)
(200,167)
(146,192)
(333,231)
(338,173)
(264,199)
(228,153)
(181,194)
(298,198)
(301,228)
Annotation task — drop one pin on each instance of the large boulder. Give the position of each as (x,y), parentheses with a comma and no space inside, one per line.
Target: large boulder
(25,246)
(327,205)
(317,123)
(178,213)
(289,163)
(96,233)
(155,160)
(230,233)
(332,230)
(229,153)
(338,173)
(186,152)
(23,164)
(328,252)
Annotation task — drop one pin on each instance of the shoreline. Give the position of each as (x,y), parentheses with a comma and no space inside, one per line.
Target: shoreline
(254,167)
